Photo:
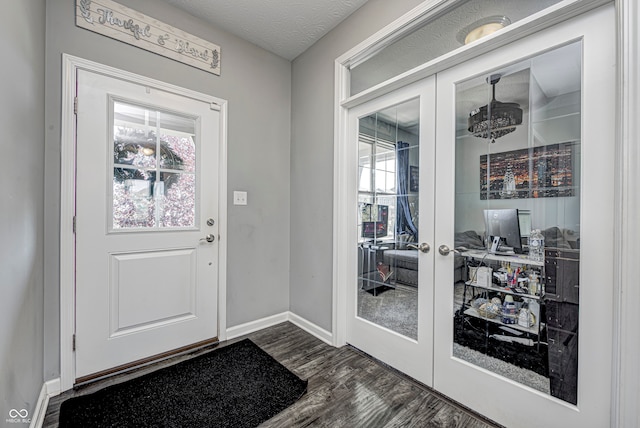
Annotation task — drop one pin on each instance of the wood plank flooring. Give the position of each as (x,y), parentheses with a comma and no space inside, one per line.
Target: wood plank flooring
(346,388)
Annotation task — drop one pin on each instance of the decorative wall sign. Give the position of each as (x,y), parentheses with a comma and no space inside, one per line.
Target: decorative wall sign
(113,20)
(538,172)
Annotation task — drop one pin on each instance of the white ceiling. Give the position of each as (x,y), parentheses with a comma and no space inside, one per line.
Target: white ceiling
(284,27)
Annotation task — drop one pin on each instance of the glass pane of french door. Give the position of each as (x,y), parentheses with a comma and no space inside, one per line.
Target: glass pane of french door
(387,224)
(517,221)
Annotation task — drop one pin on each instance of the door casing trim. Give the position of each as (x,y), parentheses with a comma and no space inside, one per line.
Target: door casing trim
(71,65)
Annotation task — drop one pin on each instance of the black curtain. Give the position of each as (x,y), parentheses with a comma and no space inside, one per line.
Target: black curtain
(404,223)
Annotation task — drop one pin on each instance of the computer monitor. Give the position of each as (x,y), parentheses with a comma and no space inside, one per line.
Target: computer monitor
(374,222)
(503,230)
(524,218)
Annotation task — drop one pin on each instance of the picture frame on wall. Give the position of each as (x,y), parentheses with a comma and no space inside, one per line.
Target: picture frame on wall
(534,172)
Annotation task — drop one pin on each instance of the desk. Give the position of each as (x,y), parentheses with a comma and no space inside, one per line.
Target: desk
(517,259)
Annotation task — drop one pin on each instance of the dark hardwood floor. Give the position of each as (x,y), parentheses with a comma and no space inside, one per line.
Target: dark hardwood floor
(346,388)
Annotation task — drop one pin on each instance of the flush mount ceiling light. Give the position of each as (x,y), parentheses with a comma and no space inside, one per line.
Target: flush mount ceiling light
(495,119)
(482,28)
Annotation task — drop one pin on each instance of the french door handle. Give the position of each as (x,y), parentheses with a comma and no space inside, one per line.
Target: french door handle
(424,247)
(444,250)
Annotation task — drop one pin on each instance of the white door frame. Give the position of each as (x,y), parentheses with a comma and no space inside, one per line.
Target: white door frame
(626,343)
(71,65)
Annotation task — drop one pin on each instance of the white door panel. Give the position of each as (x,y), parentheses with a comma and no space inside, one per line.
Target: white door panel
(146,184)
(168,276)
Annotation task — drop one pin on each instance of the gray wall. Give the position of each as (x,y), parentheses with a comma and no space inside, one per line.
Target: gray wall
(257,85)
(21,216)
(312,157)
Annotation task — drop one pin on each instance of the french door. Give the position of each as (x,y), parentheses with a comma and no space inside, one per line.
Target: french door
(146,223)
(518,139)
(390,315)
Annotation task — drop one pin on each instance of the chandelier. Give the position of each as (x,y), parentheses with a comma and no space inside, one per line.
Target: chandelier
(495,119)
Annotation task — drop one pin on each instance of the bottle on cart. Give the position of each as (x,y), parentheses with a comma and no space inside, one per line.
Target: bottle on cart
(536,246)
(534,284)
(509,311)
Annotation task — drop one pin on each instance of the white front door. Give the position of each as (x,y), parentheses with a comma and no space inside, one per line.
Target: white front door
(146,223)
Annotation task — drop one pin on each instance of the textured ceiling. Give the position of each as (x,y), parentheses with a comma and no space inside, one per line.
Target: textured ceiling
(284,27)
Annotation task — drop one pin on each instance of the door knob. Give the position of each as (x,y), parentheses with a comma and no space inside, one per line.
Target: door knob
(424,247)
(444,250)
(208,238)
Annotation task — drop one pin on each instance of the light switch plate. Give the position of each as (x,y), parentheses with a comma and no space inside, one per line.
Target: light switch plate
(239,198)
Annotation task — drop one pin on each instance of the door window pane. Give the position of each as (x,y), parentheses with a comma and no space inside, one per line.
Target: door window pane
(133,191)
(178,201)
(154,169)
(177,143)
(517,221)
(387,283)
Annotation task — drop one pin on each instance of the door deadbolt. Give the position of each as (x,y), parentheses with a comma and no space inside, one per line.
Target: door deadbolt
(211,222)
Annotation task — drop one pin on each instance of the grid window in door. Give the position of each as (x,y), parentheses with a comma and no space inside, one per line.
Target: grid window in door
(154,169)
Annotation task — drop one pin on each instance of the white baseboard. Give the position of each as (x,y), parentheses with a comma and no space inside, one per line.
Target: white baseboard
(311,328)
(53,387)
(49,389)
(250,327)
(263,323)
(37,418)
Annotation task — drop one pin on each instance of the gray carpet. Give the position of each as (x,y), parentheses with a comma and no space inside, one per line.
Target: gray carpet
(397,310)
(494,365)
